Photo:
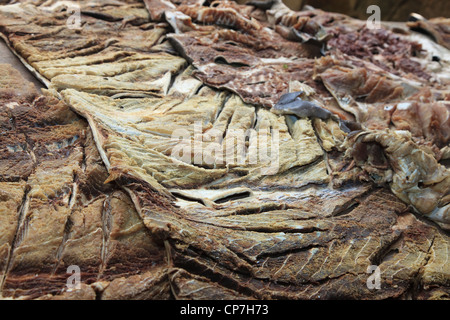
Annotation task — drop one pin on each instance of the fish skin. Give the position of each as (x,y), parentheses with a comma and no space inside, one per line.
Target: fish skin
(290,103)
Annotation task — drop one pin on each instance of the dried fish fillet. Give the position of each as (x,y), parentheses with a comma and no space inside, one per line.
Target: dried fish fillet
(416,178)
(157,226)
(53,201)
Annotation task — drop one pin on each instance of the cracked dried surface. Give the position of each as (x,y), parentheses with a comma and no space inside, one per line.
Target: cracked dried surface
(109,196)
(55,209)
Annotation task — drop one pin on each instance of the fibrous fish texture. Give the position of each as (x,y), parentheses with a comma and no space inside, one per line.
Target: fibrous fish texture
(55,209)
(171,177)
(414,174)
(438,28)
(381,100)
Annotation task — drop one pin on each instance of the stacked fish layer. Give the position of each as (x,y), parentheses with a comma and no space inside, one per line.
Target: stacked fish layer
(184,176)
